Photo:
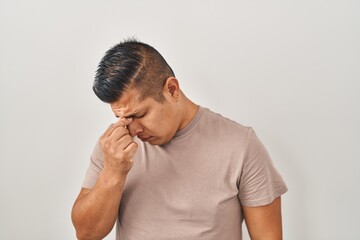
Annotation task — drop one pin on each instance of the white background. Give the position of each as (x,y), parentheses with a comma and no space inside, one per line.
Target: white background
(289,69)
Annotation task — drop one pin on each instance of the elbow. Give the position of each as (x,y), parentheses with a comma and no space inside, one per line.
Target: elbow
(84,232)
(84,236)
(88,229)
(89,235)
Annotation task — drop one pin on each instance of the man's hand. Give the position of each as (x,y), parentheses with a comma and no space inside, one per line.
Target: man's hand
(96,210)
(118,148)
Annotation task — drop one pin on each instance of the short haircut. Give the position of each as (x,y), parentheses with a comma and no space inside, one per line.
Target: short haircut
(131,64)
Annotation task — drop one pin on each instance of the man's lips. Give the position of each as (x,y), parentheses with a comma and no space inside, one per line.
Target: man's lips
(145,138)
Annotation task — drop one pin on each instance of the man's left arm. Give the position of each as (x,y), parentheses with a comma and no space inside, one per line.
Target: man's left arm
(264,222)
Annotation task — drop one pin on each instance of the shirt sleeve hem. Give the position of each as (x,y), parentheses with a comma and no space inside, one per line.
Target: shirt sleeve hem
(265,201)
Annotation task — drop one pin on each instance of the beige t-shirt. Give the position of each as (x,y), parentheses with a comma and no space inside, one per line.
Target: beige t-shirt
(193,187)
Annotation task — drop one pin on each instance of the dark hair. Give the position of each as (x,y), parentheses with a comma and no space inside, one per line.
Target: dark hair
(131,64)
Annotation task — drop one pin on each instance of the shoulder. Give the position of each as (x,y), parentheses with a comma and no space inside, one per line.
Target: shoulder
(222,125)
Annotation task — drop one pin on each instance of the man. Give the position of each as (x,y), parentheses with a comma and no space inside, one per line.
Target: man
(168,168)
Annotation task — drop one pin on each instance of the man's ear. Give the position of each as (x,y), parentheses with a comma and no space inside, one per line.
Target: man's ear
(171,88)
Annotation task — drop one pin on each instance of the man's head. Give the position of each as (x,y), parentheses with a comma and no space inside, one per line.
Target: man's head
(139,85)
(131,64)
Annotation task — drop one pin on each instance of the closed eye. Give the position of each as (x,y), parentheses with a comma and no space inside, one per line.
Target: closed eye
(133,116)
(140,116)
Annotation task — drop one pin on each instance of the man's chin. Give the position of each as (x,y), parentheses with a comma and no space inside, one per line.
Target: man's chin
(157,142)
(150,140)
(154,141)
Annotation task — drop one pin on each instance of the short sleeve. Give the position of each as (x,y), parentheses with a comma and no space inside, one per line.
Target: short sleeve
(95,167)
(260,182)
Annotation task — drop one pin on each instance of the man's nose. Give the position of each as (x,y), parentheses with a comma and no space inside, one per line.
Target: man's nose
(135,128)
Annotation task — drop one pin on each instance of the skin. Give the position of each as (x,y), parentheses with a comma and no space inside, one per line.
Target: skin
(95,210)
(153,121)
(264,223)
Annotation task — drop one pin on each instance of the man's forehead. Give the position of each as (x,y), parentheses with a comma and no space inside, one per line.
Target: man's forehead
(125,110)
(128,104)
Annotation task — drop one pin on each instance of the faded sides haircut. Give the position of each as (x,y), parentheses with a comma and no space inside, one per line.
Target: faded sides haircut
(131,64)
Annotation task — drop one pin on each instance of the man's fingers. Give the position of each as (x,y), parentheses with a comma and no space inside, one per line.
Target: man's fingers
(118,133)
(122,122)
(131,149)
(123,142)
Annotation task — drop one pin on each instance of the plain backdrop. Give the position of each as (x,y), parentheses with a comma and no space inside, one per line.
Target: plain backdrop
(289,69)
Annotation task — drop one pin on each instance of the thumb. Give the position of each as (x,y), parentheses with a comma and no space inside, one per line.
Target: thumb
(124,121)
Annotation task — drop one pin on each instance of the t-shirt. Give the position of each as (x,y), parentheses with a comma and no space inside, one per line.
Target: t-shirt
(194,186)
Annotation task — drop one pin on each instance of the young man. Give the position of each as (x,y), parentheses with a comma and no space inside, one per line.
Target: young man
(168,168)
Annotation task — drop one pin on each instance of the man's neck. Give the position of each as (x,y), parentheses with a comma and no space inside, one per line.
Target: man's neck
(189,111)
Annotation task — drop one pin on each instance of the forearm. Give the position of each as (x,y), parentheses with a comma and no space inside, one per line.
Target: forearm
(264,223)
(95,213)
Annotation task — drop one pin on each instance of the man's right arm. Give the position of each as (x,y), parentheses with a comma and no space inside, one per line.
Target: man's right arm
(95,210)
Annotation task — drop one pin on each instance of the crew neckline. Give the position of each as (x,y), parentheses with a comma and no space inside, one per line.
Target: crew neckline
(191,124)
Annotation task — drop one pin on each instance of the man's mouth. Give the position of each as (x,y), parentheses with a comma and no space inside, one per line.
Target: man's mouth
(144,139)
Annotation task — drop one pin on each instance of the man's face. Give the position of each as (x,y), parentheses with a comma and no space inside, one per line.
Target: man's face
(152,121)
